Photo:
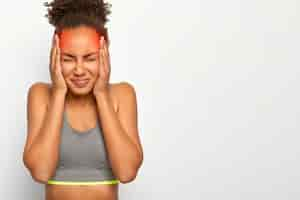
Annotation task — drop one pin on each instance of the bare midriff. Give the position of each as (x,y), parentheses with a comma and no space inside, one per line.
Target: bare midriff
(79,192)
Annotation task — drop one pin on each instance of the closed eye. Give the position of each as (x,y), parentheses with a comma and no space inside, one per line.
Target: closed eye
(68,60)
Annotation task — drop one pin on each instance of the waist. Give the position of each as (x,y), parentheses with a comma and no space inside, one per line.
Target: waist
(68,192)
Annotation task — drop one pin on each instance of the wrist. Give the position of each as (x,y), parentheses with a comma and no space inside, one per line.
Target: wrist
(102,95)
(59,92)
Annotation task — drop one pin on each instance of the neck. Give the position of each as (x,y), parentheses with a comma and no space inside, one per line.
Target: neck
(80,100)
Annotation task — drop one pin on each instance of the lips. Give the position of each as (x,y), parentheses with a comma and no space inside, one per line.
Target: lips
(80,82)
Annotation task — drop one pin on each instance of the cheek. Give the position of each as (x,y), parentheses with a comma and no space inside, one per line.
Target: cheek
(94,68)
(66,68)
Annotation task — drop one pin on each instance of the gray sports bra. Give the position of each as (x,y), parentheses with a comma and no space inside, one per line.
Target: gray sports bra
(83,157)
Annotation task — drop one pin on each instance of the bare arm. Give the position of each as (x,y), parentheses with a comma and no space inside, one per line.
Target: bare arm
(43,134)
(121,133)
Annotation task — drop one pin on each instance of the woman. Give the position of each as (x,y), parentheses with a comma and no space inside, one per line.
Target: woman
(82,136)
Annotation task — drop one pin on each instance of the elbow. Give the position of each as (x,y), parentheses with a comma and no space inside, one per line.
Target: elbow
(40,177)
(127,177)
(130,175)
(37,176)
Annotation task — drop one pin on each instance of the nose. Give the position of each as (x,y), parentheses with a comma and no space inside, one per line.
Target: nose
(79,69)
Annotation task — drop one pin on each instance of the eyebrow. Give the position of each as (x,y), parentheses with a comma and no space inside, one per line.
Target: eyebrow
(87,55)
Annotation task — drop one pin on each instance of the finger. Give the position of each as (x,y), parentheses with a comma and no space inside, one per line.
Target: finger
(53,57)
(100,46)
(106,67)
(100,57)
(58,54)
(53,39)
(101,42)
(106,58)
(106,48)
(52,44)
(102,64)
(103,48)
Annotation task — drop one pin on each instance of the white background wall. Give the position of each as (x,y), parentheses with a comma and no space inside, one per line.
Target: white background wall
(217,84)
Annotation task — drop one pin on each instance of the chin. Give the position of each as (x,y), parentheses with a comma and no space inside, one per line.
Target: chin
(81,91)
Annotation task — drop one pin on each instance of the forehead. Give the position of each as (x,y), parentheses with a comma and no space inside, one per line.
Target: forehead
(79,41)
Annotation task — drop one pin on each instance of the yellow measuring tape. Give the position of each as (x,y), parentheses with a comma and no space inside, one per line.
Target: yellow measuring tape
(115,181)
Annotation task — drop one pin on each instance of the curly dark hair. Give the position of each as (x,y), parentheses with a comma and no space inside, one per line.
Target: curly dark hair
(73,13)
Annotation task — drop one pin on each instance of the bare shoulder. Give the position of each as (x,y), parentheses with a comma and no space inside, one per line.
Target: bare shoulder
(123,87)
(40,90)
(123,91)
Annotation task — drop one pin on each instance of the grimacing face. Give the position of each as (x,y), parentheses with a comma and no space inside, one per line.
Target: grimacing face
(80,58)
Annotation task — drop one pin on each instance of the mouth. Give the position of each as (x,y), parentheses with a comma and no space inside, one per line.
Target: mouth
(80,83)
